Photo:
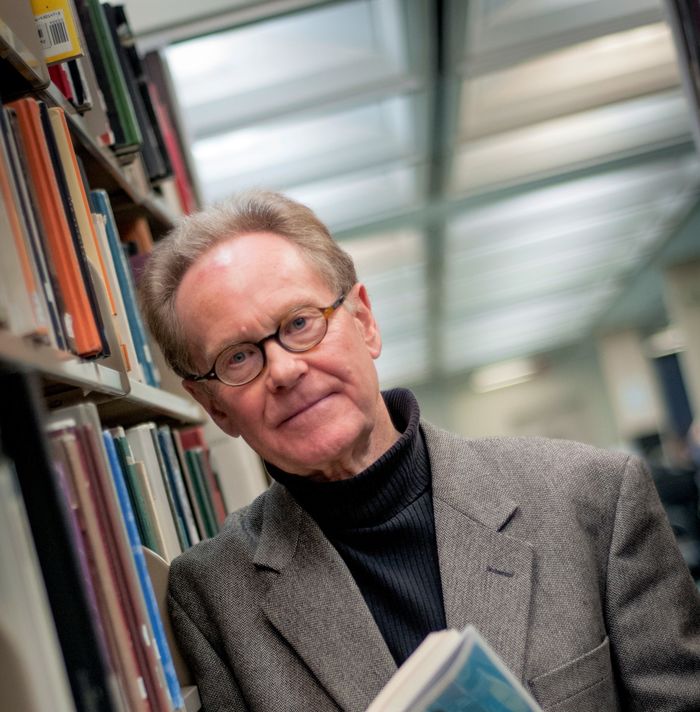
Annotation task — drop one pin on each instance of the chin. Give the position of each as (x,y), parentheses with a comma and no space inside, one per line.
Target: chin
(322,456)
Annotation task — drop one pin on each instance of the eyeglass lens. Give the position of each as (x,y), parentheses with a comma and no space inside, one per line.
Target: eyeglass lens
(300,330)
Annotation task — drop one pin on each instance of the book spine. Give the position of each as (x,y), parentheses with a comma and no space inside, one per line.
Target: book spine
(203,498)
(175,508)
(140,563)
(123,106)
(22,428)
(100,203)
(170,456)
(34,231)
(80,323)
(84,275)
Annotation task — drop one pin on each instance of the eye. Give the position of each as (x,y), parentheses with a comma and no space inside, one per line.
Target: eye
(237,358)
(298,323)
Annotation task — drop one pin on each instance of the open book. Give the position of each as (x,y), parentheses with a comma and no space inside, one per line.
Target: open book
(454,672)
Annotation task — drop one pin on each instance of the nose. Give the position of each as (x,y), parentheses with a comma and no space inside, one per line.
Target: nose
(284,368)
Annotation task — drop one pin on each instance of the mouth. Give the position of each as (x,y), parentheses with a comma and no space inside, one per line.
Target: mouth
(296,412)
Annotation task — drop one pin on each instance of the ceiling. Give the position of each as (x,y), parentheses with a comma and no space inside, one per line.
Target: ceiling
(507,174)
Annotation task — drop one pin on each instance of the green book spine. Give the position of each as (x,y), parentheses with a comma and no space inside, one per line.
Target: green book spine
(203,499)
(174,509)
(126,460)
(108,52)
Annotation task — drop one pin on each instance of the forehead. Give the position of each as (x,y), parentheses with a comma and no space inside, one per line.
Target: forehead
(252,262)
(242,285)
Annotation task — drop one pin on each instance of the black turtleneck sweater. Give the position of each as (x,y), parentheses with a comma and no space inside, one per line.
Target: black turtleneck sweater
(381,523)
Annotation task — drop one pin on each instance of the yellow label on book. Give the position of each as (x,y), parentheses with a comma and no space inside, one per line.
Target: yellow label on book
(58,35)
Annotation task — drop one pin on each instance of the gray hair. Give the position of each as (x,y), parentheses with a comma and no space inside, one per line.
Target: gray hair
(246,213)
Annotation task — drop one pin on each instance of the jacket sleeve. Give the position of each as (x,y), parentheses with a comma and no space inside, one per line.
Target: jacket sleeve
(218,689)
(652,604)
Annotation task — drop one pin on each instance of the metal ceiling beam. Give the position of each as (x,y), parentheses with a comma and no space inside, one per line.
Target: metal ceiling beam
(178,30)
(438,170)
(445,208)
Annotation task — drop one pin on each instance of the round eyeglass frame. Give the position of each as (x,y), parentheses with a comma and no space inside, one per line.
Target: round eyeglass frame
(212,375)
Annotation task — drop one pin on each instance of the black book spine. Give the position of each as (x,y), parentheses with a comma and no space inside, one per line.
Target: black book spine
(153,161)
(21,431)
(100,71)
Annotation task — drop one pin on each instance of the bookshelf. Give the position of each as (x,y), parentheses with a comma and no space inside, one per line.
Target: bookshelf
(105,170)
(76,501)
(21,51)
(63,368)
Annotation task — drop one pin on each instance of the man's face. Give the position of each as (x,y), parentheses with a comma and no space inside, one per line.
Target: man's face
(314,413)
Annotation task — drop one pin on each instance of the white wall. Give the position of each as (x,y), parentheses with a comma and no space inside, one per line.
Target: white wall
(568,400)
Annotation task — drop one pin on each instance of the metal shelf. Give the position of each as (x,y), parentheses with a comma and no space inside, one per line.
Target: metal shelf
(59,367)
(68,379)
(145,402)
(19,47)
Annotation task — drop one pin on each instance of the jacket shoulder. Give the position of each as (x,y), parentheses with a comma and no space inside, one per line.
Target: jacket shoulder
(529,468)
(234,546)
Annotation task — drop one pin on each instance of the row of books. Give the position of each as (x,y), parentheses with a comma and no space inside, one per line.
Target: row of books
(173,488)
(67,279)
(95,64)
(80,622)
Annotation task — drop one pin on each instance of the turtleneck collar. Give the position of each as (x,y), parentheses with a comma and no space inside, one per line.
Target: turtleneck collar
(377,493)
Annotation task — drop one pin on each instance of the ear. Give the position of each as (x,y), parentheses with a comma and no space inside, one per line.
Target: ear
(201,392)
(366,323)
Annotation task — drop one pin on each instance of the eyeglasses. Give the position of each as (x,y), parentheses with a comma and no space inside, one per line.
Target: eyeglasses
(300,330)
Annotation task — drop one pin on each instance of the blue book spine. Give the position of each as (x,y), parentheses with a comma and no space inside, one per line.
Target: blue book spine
(166,659)
(179,510)
(99,202)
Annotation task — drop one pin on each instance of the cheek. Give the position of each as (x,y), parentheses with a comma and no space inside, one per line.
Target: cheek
(242,410)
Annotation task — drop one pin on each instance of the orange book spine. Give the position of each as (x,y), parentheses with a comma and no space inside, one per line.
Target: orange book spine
(25,261)
(76,180)
(79,321)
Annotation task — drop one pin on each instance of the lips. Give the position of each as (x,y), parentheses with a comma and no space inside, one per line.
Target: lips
(289,413)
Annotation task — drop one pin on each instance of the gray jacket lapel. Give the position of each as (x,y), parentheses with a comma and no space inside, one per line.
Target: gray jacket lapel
(486,576)
(335,635)
(486,573)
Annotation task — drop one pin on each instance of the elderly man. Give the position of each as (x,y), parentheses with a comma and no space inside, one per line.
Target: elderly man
(378,527)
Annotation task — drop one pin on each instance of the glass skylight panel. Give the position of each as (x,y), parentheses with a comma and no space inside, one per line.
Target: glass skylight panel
(563,143)
(376,254)
(607,69)
(498,25)
(288,62)
(392,267)
(523,329)
(347,200)
(563,237)
(403,362)
(554,209)
(399,302)
(154,14)
(513,283)
(300,149)
(543,237)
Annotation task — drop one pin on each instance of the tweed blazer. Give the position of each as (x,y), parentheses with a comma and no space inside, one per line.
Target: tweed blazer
(559,553)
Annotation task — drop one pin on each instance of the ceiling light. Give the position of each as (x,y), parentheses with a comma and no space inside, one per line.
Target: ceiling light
(502,375)
(665,342)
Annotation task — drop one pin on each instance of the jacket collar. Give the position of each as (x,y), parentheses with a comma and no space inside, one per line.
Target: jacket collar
(486,576)
(334,634)
(486,560)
